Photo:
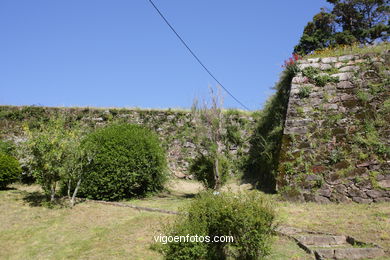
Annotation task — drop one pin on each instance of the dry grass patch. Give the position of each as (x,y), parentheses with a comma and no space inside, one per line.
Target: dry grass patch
(368,223)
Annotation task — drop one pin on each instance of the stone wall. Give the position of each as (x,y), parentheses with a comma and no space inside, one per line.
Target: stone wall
(175,128)
(336,142)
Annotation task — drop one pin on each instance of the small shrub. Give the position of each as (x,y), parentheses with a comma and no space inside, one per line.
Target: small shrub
(322,80)
(304,91)
(310,72)
(246,216)
(128,161)
(203,169)
(7,147)
(9,170)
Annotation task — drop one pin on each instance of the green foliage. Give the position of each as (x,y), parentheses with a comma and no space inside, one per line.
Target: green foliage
(350,21)
(311,72)
(128,162)
(247,216)
(322,80)
(7,147)
(362,96)
(9,170)
(48,149)
(203,169)
(304,91)
(317,34)
(314,76)
(266,140)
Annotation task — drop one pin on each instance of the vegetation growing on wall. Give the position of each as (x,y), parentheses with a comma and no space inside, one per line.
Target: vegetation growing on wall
(266,141)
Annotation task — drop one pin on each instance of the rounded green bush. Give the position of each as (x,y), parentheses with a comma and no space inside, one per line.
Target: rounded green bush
(127,161)
(247,217)
(9,170)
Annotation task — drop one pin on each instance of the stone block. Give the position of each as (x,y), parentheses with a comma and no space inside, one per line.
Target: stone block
(349,68)
(346,58)
(345,85)
(343,76)
(299,80)
(329,60)
(325,66)
(358,253)
(313,60)
(375,193)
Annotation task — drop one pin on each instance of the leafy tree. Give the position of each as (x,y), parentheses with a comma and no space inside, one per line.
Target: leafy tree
(317,34)
(365,20)
(49,148)
(350,21)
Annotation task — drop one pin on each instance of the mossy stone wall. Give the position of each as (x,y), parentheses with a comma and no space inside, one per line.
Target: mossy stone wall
(336,140)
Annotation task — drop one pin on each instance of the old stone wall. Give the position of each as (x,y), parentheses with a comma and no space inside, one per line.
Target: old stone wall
(175,128)
(336,142)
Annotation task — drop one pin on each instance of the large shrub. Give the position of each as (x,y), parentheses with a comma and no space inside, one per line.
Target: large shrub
(128,161)
(202,166)
(246,216)
(9,170)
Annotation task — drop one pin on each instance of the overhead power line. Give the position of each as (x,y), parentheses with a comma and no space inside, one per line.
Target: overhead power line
(196,57)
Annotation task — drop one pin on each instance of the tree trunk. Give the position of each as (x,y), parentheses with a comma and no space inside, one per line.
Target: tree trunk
(69,182)
(217,179)
(53,191)
(72,201)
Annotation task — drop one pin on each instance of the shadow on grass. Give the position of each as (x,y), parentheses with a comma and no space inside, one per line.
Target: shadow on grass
(7,188)
(38,199)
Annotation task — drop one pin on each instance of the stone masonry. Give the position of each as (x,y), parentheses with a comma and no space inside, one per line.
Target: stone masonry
(336,142)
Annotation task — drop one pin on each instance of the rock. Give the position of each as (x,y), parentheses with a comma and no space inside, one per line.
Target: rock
(299,80)
(331,106)
(321,240)
(375,193)
(355,192)
(324,192)
(315,198)
(349,68)
(384,184)
(361,200)
(382,199)
(180,175)
(357,253)
(295,130)
(329,60)
(344,85)
(346,58)
(338,65)
(325,66)
(313,60)
(343,76)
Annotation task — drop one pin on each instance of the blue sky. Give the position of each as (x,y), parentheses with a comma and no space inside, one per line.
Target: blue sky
(121,54)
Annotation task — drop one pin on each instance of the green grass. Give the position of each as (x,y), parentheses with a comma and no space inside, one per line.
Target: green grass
(98,231)
(347,50)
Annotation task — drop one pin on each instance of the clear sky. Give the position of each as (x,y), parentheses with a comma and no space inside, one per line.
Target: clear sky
(121,54)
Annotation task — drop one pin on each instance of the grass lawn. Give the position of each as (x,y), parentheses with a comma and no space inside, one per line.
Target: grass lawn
(97,231)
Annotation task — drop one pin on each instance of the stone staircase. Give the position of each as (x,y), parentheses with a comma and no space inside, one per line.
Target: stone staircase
(328,246)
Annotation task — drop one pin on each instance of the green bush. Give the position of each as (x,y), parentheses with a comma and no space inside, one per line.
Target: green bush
(7,147)
(304,91)
(246,216)
(128,161)
(203,169)
(9,170)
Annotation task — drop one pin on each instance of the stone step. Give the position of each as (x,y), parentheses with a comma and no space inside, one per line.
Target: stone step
(348,253)
(321,240)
